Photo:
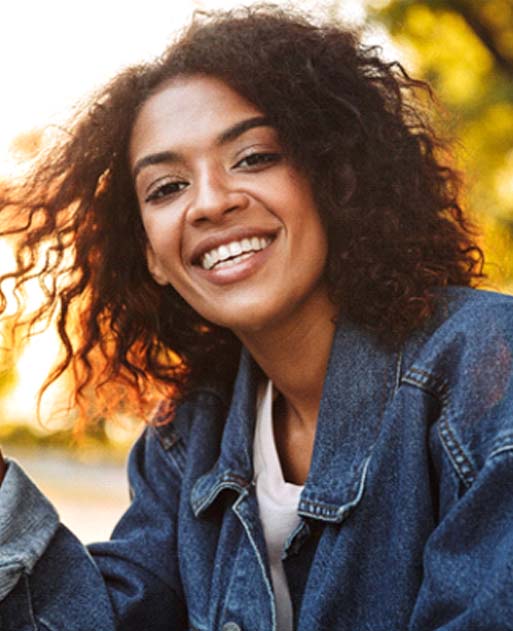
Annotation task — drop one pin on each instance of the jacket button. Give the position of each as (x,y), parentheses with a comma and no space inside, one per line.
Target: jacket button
(231,626)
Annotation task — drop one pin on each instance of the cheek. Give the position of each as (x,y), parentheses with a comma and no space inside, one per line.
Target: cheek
(163,253)
(163,236)
(317,249)
(315,265)
(311,235)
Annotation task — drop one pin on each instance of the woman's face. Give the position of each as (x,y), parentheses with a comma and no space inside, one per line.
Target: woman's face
(231,222)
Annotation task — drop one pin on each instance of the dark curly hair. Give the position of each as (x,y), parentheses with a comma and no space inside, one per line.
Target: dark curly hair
(387,196)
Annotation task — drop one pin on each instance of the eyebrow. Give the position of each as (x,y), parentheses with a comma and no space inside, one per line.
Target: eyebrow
(228,135)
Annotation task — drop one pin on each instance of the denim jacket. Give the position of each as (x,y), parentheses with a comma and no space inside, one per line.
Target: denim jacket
(406,515)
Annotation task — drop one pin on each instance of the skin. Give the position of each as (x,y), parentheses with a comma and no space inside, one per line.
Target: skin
(202,179)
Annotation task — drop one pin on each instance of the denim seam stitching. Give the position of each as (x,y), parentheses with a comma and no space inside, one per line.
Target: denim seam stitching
(500,450)
(455,452)
(205,500)
(427,382)
(457,455)
(333,507)
(398,371)
(172,453)
(45,626)
(330,512)
(29,600)
(259,558)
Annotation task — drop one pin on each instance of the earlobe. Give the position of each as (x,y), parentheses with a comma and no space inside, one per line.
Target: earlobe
(154,267)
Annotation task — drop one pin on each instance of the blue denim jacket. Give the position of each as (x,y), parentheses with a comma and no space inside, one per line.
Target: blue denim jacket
(407,512)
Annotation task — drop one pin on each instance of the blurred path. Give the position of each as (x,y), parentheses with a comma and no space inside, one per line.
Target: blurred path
(89,497)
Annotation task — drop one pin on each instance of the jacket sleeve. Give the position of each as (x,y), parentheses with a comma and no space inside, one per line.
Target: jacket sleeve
(50,581)
(468,559)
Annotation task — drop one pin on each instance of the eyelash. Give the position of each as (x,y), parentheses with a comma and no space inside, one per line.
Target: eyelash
(163,191)
(169,189)
(257,159)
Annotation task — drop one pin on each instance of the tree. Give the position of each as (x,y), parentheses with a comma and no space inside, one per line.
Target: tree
(464,48)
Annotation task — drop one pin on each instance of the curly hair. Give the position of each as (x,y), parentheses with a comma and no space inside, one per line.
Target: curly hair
(387,196)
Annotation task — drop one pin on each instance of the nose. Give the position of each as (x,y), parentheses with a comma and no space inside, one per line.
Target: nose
(214,196)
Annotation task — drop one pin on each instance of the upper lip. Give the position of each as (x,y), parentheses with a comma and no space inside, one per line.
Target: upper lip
(227,236)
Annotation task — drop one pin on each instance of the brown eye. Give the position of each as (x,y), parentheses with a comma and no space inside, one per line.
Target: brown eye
(259,159)
(165,190)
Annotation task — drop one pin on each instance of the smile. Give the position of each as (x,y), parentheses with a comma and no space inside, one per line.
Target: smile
(234,252)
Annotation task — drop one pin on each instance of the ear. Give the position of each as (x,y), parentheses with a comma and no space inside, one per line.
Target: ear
(155,267)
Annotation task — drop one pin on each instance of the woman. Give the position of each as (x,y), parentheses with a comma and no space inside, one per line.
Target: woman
(270,185)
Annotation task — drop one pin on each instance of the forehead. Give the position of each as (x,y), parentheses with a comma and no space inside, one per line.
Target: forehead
(186,113)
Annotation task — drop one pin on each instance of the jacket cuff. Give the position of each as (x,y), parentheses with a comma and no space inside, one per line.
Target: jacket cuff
(27,523)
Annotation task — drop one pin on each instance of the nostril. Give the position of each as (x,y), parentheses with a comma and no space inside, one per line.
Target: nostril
(213,201)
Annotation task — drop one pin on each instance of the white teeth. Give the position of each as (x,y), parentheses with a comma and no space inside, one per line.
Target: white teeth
(235,248)
(208,260)
(232,253)
(224,252)
(232,262)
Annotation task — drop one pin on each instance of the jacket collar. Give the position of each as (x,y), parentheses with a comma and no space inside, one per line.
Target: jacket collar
(360,379)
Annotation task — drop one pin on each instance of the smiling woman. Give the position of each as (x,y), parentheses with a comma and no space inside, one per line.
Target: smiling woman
(214,181)
(266,236)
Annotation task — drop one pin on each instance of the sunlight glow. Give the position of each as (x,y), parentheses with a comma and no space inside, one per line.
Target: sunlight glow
(32,368)
(55,52)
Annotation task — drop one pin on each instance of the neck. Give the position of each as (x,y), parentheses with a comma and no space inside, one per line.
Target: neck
(294,355)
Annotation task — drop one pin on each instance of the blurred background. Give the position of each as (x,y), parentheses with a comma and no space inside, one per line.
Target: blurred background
(54,53)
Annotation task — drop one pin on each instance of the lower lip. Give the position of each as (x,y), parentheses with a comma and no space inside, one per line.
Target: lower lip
(238,272)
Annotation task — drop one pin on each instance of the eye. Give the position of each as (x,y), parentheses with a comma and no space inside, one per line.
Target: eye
(259,159)
(167,189)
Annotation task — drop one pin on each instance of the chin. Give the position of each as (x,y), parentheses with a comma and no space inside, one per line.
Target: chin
(250,321)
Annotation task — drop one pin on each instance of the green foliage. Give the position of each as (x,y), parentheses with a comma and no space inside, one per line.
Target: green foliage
(88,447)
(464,49)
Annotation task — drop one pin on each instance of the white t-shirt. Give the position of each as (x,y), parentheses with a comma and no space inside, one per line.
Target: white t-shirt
(277,502)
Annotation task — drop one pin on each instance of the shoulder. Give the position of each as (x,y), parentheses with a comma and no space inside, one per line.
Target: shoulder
(463,308)
(469,328)
(179,439)
(172,420)
(196,419)
(466,309)
(464,358)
